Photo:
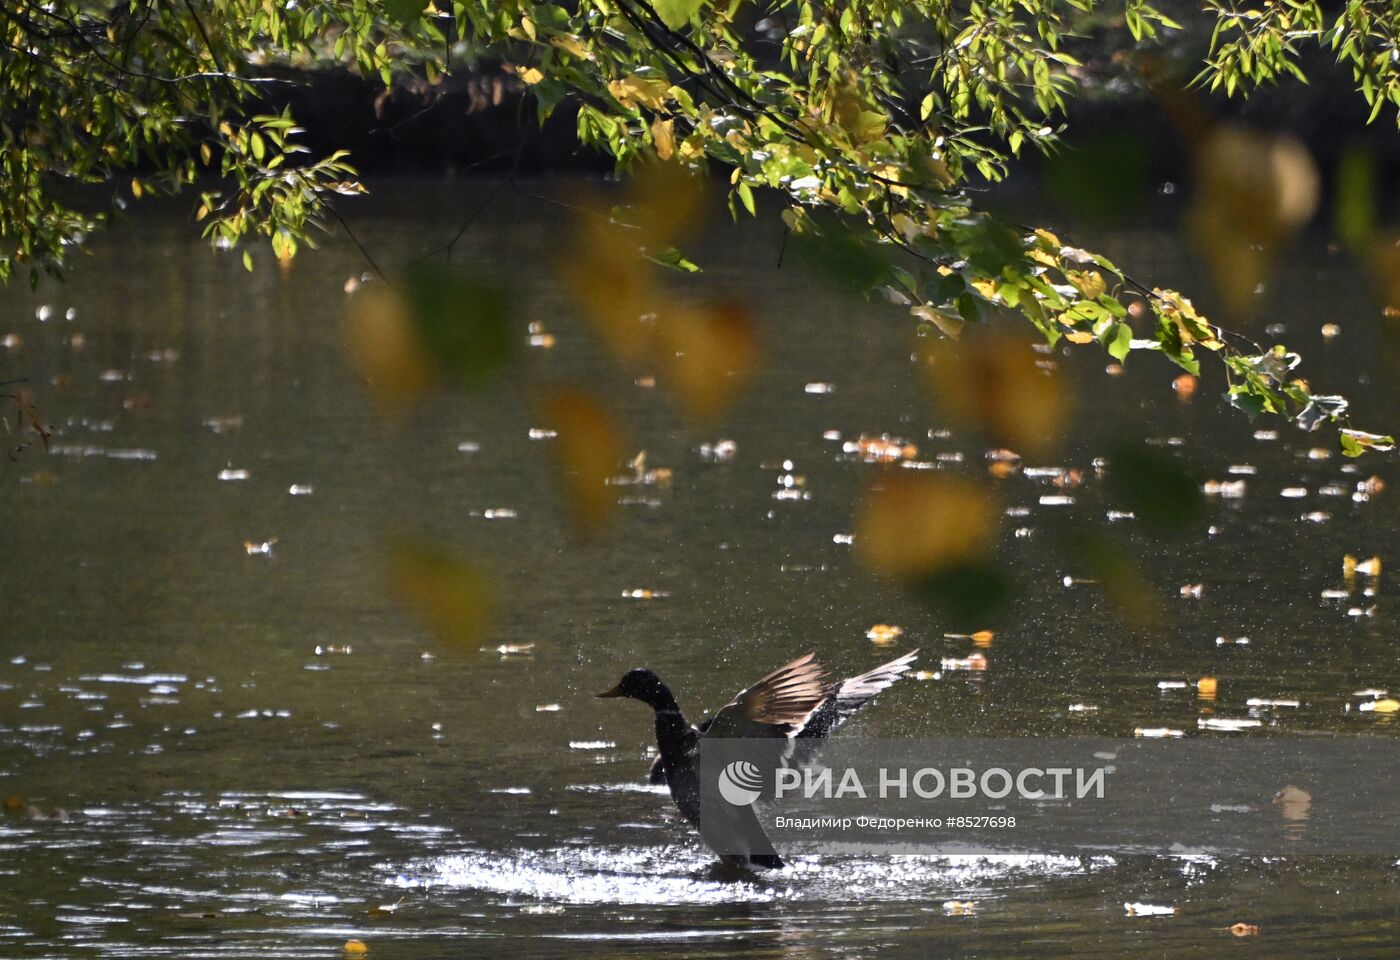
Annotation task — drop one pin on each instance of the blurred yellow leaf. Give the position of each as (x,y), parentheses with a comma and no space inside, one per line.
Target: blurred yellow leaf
(1254,191)
(992,383)
(590,446)
(910,527)
(386,346)
(710,355)
(452,596)
(666,201)
(613,286)
(1384,261)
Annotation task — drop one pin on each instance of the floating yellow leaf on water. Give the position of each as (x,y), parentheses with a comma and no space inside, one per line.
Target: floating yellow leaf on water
(983,638)
(452,596)
(1294,803)
(881,449)
(1351,567)
(386,347)
(911,526)
(1244,929)
(1148,910)
(959,908)
(1206,688)
(1185,386)
(1381,706)
(972,662)
(589,445)
(993,383)
(884,634)
(14,802)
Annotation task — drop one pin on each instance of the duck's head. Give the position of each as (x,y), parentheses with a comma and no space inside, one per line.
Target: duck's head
(644,685)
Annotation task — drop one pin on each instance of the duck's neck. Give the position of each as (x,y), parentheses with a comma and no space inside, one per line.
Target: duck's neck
(671,727)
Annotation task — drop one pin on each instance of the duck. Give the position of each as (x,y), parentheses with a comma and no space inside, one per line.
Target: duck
(796,702)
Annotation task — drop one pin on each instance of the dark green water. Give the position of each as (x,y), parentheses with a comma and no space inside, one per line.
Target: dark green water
(227,791)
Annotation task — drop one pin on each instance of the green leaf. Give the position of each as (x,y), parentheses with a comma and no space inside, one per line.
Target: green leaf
(1157,488)
(837,254)
(967,593)
(676,13)
(671,257)
(1357,442)
(405,12)
(1119,341)
(464,324)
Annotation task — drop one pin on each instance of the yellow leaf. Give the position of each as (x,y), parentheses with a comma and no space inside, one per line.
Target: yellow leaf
(611,283)
(452,596)
(666,202)
(1088,282)
(910,526)
(884,634)
(1253,192)
(531,76)
(663,138)
(709,355)
(385,347)
(590,446)
(572,45)
(992,383)
(634,91)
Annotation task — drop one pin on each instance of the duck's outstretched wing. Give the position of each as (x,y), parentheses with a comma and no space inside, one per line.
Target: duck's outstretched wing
(839,701)
(779,705)
(848,696)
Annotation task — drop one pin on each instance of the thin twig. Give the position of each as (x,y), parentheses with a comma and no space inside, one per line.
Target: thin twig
(330,208)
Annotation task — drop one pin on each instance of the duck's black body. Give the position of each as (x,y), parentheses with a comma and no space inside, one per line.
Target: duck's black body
(793,702)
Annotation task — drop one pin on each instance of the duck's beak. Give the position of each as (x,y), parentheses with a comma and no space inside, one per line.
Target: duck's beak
(614,692)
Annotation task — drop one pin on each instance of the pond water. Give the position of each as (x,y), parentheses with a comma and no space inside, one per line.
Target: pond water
(224,749)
